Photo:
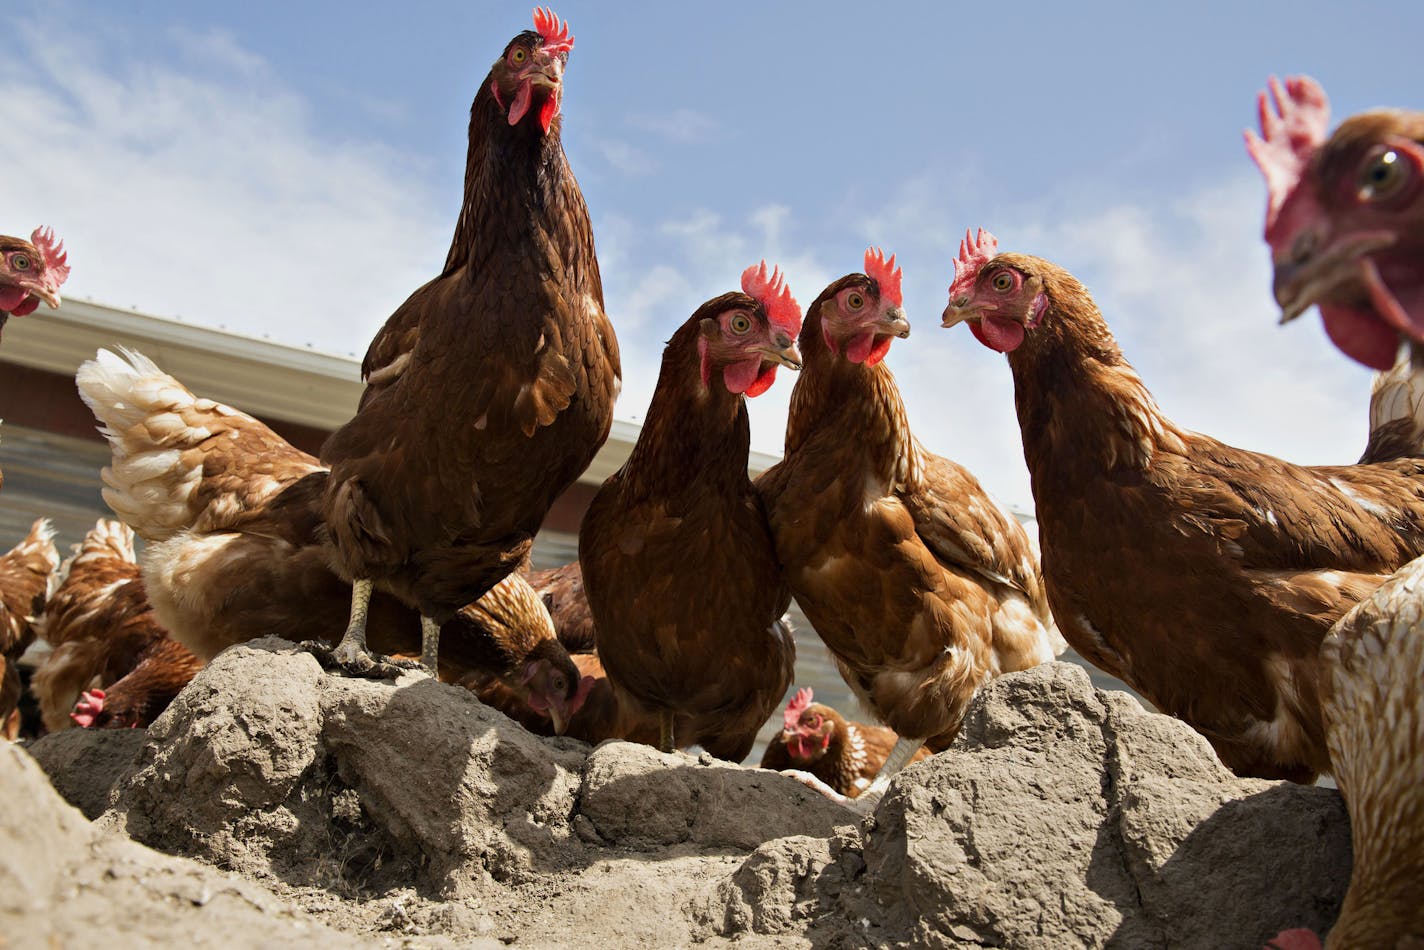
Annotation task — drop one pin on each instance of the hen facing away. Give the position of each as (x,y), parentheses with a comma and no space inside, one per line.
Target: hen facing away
(1345,218)
(678,561)
(845,756)
(921,586)
(25,579)
(30,271)
(110,655)
(1203,575)
(491,388)
(232,516)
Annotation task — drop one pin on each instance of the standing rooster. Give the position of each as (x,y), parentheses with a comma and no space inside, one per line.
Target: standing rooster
(110,654)
(845,756)
(30,271)
(492,387)
(1203,575)
(918,582)
(678,562)
(25,579)
(1345,217)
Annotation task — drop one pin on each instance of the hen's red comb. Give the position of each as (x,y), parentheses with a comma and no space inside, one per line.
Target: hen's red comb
(974,252)
(55,258)
(555,33)
(770,290)
(884,273)
(796,707)
(1295,119)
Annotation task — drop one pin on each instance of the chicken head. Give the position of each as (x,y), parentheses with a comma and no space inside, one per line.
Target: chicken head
(1001,302)
(1345,217)
(808,728)
(531,69)
(743,337)
(864,313)
(31,271)
(554,688)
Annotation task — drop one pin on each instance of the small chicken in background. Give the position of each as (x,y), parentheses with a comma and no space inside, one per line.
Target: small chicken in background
(1345,218)
(26,579)
(30,271)
(678,561)
(491,388)
(1203,575)
(844,755)
(110,655)
(231,516)
(919,583)
(561,589)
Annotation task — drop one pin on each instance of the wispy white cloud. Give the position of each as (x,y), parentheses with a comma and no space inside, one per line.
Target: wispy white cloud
(204,192)
(680,125)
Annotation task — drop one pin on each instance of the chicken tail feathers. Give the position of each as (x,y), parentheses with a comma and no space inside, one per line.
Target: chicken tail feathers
(179,461)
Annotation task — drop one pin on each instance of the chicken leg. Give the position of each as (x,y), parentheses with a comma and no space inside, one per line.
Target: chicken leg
(351,656)
(666,740)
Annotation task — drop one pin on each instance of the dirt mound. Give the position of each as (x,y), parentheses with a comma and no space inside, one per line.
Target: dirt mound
(1063,816)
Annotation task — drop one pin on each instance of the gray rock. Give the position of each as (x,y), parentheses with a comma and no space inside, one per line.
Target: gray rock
(645,799)
(86,764)
(64,883)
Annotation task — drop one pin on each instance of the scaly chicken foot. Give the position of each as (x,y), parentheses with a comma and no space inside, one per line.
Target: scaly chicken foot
(666,740)
(899,757)
(816,785)
(429,644)
(350,655)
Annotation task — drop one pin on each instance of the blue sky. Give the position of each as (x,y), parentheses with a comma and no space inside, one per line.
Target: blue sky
(294,170)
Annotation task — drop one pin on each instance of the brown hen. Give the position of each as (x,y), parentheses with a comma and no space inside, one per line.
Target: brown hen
(106,639)
(678,561)
(843,755)
(1203,575)
(232,516)
(921,586)
(491,388)
(25,579)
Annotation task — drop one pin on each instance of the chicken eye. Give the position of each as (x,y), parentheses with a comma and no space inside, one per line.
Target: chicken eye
(518,56)
(20,262)
(740,323)
(855,301)
(1003,281)
(1383,173)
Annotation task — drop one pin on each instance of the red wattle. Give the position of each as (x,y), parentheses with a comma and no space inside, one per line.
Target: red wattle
(998,333)
(740,377)
(548,110)
(1360,335)
(520,105)
(12,297)
(868,348)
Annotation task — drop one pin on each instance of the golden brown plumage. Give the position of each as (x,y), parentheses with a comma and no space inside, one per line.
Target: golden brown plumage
(231,514)
(1203,575)
(921,586)
(25,577)
(103,631)
(844,755)
(492,387)
(678,562)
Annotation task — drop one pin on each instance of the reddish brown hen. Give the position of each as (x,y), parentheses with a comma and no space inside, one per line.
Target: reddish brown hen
(232,516)
(919,583)
(30,272)
(843,755)
(1203,575)
(106,639)
(678,561)
(1345,218)
(491,389)
(25,579)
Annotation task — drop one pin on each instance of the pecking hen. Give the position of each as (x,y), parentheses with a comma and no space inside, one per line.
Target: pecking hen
(30,271)
(678,562)
(1203,575)
(26,578)
(110,654)
(921,586)
(491,388)
(845,756)
(1345,217)
(232,515)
